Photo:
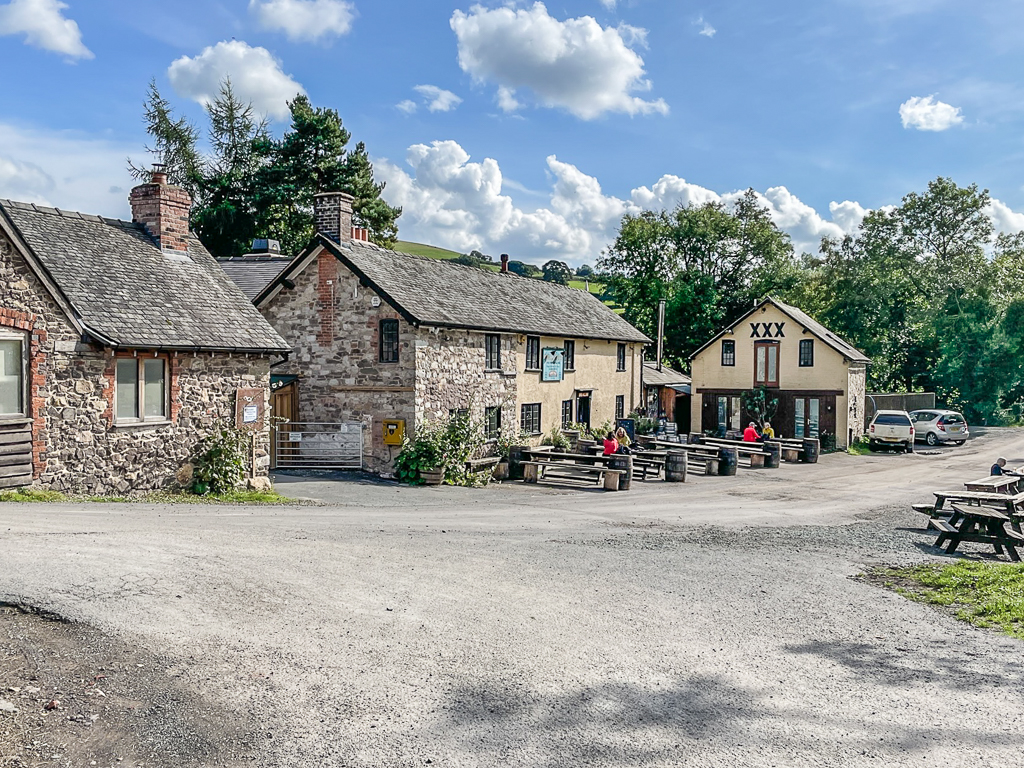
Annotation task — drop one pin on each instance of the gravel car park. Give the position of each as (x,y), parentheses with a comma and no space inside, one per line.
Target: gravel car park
(719,622)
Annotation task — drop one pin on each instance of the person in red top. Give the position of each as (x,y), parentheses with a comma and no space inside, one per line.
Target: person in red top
(611,445)
(750,434)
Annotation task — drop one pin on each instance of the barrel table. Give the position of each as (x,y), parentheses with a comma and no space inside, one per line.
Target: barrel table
(728,460)
(675,467)
(625,463)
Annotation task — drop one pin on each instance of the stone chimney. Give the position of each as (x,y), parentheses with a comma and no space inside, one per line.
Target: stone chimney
(332,215)
(163,209)
(504,263)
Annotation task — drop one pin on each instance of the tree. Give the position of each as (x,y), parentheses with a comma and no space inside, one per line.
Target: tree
(557,272)
(524,269)
(585,272)
(174,145)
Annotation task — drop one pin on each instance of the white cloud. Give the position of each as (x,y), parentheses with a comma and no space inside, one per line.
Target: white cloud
(438,99)
(705,29)
(44,26)
(305,20)
(65,169)
(576,64)
(407,105)
(1004,219)
(609,4)
(507,101)
(451,201)
(926,114)
(256,76)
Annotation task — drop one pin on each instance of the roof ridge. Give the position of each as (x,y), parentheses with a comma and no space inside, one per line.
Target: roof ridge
(53,211)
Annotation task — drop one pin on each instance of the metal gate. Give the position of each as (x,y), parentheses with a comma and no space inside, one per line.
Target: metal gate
(305,445)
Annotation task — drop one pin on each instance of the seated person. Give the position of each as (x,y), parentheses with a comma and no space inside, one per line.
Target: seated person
(997,468)
(611,445)
(768,433)
(750,434)
(622,438)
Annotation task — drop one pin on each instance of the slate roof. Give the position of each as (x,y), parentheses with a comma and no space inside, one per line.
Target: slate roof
(666,377)
(253,272)
(126,292)
(439,293)
(841,346)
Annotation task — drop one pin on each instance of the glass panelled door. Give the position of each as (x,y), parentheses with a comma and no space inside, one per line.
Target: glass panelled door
(806,418)
(800,425)
(723,414)
(813,407)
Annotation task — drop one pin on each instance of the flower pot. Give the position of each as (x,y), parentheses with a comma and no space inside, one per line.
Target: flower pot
(432,476)
(501,470)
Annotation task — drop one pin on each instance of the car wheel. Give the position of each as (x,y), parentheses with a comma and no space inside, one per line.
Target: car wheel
(931,439)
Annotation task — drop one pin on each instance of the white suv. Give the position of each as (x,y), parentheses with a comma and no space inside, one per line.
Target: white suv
(891,428)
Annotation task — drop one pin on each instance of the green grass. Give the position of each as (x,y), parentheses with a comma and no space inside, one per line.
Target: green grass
(982,594)
(31,495)
(859,449)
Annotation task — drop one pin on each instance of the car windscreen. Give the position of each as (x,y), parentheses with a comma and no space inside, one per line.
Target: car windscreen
(953,418)
(895,419)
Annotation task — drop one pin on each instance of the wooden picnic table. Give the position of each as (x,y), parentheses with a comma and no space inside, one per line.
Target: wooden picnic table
(534,471)
(1010,504)
(979,525)
(994,483)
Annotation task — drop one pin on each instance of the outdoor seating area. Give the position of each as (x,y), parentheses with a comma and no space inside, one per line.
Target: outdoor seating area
(666,457)
(988,511)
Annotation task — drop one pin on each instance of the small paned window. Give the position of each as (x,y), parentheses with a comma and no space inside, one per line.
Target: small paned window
(492,344)
(12,376)
(529,419)
(389,341)
(620,406)
(766,364)
(807,353)
(729,352)
(620,360)
(141,389)
(533,353)
(492,419)
(566,412)
(570,355)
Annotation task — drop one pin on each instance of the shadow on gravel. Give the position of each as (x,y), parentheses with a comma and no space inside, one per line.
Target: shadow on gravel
(934,665)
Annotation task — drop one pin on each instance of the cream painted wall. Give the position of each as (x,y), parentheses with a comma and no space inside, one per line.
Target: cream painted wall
(595,370)
(831,370)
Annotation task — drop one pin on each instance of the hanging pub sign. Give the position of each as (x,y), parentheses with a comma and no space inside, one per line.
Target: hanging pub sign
(250,409)
(552,364)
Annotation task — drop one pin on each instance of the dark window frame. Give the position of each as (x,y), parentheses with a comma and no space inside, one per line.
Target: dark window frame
(492,431)
(620,406)
(620,358)
(389,340)
(530,418)
(806,353)
(533,353)
(768,381)
(567,409)
(729,353)
(492,351)
(569,355)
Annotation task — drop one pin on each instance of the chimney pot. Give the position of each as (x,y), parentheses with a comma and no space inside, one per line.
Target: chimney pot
(164,211)
(504,263)
(332,215)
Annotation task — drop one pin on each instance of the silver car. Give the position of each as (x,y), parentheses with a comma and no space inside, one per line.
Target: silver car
(936,426)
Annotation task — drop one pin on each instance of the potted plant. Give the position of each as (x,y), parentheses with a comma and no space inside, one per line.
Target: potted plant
(421,460)
(509,440)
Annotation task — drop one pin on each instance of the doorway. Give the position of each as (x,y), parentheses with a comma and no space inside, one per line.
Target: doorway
(583,408)
(284,404)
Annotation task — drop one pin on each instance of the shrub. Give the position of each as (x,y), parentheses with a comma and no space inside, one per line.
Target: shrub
(583,429)
(221,461)
(644,425)
(557,440)
(423,452)
(510,437)
(446,445)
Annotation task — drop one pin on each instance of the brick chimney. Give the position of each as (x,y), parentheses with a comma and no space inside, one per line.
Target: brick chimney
(504,262)
(163,209)
(332,215)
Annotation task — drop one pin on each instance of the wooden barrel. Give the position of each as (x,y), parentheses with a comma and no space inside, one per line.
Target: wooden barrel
(774,458)
(515,457)
(728,460)
(675,467)
(625,463)
(811,450)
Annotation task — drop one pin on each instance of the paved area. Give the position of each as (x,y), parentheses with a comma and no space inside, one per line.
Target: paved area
(714,623)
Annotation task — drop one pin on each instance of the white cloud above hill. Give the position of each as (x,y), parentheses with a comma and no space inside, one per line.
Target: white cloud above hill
(256,77)
(43,24)
(576,64)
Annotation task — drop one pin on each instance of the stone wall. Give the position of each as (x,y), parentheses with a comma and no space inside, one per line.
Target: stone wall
(72,398)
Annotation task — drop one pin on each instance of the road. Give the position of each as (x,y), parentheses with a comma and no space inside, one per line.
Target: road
(707,624)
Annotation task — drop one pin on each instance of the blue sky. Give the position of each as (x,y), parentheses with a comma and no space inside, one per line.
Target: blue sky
(529,128)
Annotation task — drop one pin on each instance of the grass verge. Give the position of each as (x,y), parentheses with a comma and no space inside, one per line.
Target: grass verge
(859,449)
(30,495)
(982,594)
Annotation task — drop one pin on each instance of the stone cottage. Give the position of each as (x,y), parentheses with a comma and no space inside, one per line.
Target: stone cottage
(379,337)
(121,343)
(817,377)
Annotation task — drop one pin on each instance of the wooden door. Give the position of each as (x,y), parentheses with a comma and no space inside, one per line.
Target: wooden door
(284,404)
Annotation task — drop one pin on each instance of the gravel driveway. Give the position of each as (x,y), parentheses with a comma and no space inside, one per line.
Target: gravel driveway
(710,624)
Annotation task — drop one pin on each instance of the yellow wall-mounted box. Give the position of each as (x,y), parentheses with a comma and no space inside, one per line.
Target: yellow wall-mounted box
(394,431)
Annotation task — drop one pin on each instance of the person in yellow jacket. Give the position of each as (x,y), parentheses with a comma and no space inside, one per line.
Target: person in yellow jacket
(767,433)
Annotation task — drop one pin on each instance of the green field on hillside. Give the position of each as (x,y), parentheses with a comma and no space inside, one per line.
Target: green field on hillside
(432,252)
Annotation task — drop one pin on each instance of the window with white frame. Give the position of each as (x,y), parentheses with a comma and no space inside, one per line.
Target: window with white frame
(141,389)
(13,362)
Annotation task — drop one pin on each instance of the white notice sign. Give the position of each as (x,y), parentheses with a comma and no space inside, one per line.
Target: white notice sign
(250,414)
(294,437)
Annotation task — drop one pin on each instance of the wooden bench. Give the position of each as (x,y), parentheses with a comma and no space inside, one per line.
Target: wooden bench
(534,471)
(791,455)
(479,465)
(755,451)
(980,526)
(1010,504)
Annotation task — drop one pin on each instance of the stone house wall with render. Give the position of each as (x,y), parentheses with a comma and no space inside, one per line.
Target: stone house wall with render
(77,447)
